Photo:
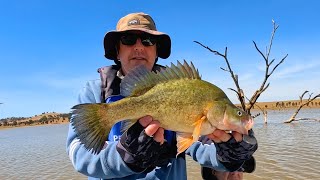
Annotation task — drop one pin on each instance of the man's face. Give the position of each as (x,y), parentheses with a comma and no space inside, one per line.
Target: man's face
(133,55)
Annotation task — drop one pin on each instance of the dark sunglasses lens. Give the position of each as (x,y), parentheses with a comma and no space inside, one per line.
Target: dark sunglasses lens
(131,39)
(148,40)
(128,39)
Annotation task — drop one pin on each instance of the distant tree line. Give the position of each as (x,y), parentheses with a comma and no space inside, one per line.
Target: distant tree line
(45,119)
(294,104)
(288,104)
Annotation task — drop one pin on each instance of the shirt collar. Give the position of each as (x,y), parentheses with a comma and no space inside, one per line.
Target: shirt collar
(120,74)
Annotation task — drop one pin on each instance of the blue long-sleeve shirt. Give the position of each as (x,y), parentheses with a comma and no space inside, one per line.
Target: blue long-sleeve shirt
(109,165)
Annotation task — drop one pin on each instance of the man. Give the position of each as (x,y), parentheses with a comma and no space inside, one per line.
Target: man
(145,150)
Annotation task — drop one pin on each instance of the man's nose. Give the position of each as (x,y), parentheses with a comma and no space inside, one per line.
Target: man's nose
(138,46)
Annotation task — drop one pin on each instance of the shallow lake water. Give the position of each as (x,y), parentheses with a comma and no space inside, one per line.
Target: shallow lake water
(286,151)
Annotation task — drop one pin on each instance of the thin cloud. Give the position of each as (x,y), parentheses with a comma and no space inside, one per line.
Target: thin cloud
(294,70)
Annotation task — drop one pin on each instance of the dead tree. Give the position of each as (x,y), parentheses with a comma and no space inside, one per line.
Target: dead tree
(268,72)
(306,103)
(264,112)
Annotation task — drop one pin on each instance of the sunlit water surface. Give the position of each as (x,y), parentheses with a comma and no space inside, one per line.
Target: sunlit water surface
(286,151)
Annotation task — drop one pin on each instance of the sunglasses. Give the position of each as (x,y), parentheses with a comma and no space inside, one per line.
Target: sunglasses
(131,39)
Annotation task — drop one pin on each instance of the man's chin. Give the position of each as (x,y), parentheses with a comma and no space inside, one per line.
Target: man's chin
(136,63)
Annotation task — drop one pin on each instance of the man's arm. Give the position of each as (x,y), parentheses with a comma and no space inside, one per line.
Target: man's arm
(205,155)
(108,163)
(227,153)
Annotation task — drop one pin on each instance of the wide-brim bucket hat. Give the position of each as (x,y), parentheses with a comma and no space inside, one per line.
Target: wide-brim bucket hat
(136,22)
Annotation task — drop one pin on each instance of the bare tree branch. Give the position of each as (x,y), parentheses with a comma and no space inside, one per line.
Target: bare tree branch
(310,99)
(224,69)
(233,90)
(264,85)
(256,115)
(276,66)
(275,27)
(239,91)
(301,97)
(306,119)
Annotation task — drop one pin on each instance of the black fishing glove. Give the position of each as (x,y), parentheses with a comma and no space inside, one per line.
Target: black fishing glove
(141,152)
(233,154)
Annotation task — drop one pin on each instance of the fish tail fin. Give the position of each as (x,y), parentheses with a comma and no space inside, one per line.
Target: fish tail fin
(92,125)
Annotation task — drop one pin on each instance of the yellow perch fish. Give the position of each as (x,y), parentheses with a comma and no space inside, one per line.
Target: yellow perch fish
(175,96)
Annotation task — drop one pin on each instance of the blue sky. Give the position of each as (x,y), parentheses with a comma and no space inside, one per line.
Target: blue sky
(49,49)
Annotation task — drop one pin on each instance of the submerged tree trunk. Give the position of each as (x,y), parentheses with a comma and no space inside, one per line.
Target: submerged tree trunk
(293,117)
(264,112)
(310,99)
(265,116)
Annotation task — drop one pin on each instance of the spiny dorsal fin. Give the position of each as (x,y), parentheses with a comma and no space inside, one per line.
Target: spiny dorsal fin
(140,80)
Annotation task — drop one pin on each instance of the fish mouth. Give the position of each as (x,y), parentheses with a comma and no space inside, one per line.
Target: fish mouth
(248,124)
(243,127)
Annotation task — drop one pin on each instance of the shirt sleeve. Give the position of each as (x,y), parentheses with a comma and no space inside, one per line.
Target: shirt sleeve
(204,152)
(108,163)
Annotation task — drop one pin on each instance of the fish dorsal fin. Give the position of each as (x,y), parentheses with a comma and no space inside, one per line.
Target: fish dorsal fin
(136,82)
(140,80)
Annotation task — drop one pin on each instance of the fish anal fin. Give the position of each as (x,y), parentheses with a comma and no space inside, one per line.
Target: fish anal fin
(184,141)
(197,128)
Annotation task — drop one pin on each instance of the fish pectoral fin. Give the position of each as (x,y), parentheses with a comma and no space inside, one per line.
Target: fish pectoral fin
(197,128)
(184,141)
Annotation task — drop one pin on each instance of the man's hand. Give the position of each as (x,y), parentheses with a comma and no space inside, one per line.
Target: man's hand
(219,136)
(152,128)
(232,151)
(142,147)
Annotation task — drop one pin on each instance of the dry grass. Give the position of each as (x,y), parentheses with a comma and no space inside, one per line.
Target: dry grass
(36,118)
(282,105)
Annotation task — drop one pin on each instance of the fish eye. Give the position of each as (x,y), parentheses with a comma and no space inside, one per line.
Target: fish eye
(239,113)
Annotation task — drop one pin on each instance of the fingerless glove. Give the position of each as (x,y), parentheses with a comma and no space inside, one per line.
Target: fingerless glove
(233,154)
(141,152)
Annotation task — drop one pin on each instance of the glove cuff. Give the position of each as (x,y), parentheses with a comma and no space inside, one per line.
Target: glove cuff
(249,165)
(233,154)
(128,158)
